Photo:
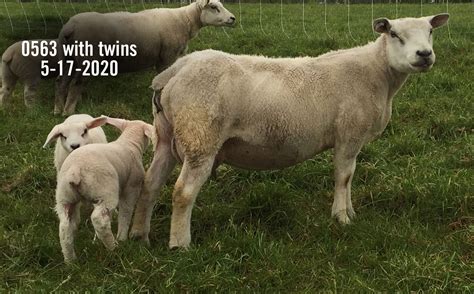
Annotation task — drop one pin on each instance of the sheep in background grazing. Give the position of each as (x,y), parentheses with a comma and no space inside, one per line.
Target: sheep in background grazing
(107,175)
(256,112)
(161,36)
(16,67)
(76,131)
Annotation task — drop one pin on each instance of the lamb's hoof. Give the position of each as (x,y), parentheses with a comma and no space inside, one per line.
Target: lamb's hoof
(174,244)
(342,217)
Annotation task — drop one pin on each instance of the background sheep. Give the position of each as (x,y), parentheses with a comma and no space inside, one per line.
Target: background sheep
(161,36)
(76,131)
(108,175)
(16,67)
(268,113)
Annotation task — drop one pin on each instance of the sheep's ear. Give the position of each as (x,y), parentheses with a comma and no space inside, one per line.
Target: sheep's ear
(202,3)
(116,122)
(96,122)
(382,25)
(53,135)
(438,20)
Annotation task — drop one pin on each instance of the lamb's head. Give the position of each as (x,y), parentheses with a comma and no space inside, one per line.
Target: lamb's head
(136,128)
(213,13)
(74,134)
(410,42)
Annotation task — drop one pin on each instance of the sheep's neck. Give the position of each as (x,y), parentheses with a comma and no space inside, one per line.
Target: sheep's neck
(394,78)
(193,19)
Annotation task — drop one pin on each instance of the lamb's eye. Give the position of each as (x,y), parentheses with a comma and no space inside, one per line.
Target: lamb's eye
(214,7)
(62,136)
(394,35)
(431,31)
(85,132)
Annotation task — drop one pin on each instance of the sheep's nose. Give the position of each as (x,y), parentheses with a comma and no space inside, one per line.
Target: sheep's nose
(232,18)
(424,53)
(74,146)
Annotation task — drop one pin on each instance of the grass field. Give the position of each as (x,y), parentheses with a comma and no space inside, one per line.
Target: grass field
(256,231)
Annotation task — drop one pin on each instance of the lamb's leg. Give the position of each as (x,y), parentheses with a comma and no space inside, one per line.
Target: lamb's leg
(185,191)
(31,87)
(155,178)
(100,217)
(69,218)
(73,95)
(8,84)
(62,84)
(345,163)
(126,205)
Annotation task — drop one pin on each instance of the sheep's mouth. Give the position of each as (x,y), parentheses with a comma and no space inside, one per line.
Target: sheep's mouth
(422,64)
(229,23)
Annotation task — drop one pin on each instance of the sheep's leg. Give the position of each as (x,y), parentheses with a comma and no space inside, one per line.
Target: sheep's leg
(69,218)
(100,217)
(31,88)
(126,205)
(62,84)
(73,95)
(8,84)
(155,178)
(345,163)
(185,192)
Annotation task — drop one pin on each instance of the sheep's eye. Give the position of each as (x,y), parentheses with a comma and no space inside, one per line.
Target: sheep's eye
(214,7)
(394,35)
(85,132)
(431,31)
(62,136)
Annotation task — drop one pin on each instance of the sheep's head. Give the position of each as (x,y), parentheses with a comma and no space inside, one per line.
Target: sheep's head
(73,135)
(213,13)
(410,41)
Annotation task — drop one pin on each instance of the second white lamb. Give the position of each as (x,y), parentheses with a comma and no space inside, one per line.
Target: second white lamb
(107,175)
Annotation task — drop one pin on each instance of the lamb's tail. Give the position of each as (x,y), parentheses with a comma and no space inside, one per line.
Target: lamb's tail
(74,178)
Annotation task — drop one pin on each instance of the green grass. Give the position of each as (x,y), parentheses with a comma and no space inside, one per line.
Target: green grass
(256,231)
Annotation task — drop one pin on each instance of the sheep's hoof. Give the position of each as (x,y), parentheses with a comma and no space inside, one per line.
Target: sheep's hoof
(174,244)
(342,217)
(351,213)
(138,236)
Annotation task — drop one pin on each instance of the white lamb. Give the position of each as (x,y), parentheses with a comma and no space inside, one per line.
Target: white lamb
(16,67)
(269,113)
(161,36)
(107,175)
(76,131)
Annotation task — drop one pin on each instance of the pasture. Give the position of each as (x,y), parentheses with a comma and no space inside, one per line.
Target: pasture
(263,231)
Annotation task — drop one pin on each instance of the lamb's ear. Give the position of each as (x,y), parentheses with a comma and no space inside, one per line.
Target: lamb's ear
(53,135)
(96,122)
(116,122)
(150,132)
(382,25)
(438,20)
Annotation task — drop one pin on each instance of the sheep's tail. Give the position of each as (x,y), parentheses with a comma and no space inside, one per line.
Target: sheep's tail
(65,36)
(162,79)
(5,70)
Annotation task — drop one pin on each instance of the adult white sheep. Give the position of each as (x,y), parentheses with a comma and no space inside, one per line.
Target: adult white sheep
(268,113)
(16,67)
(76,131)
(108,175)
(161,36)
